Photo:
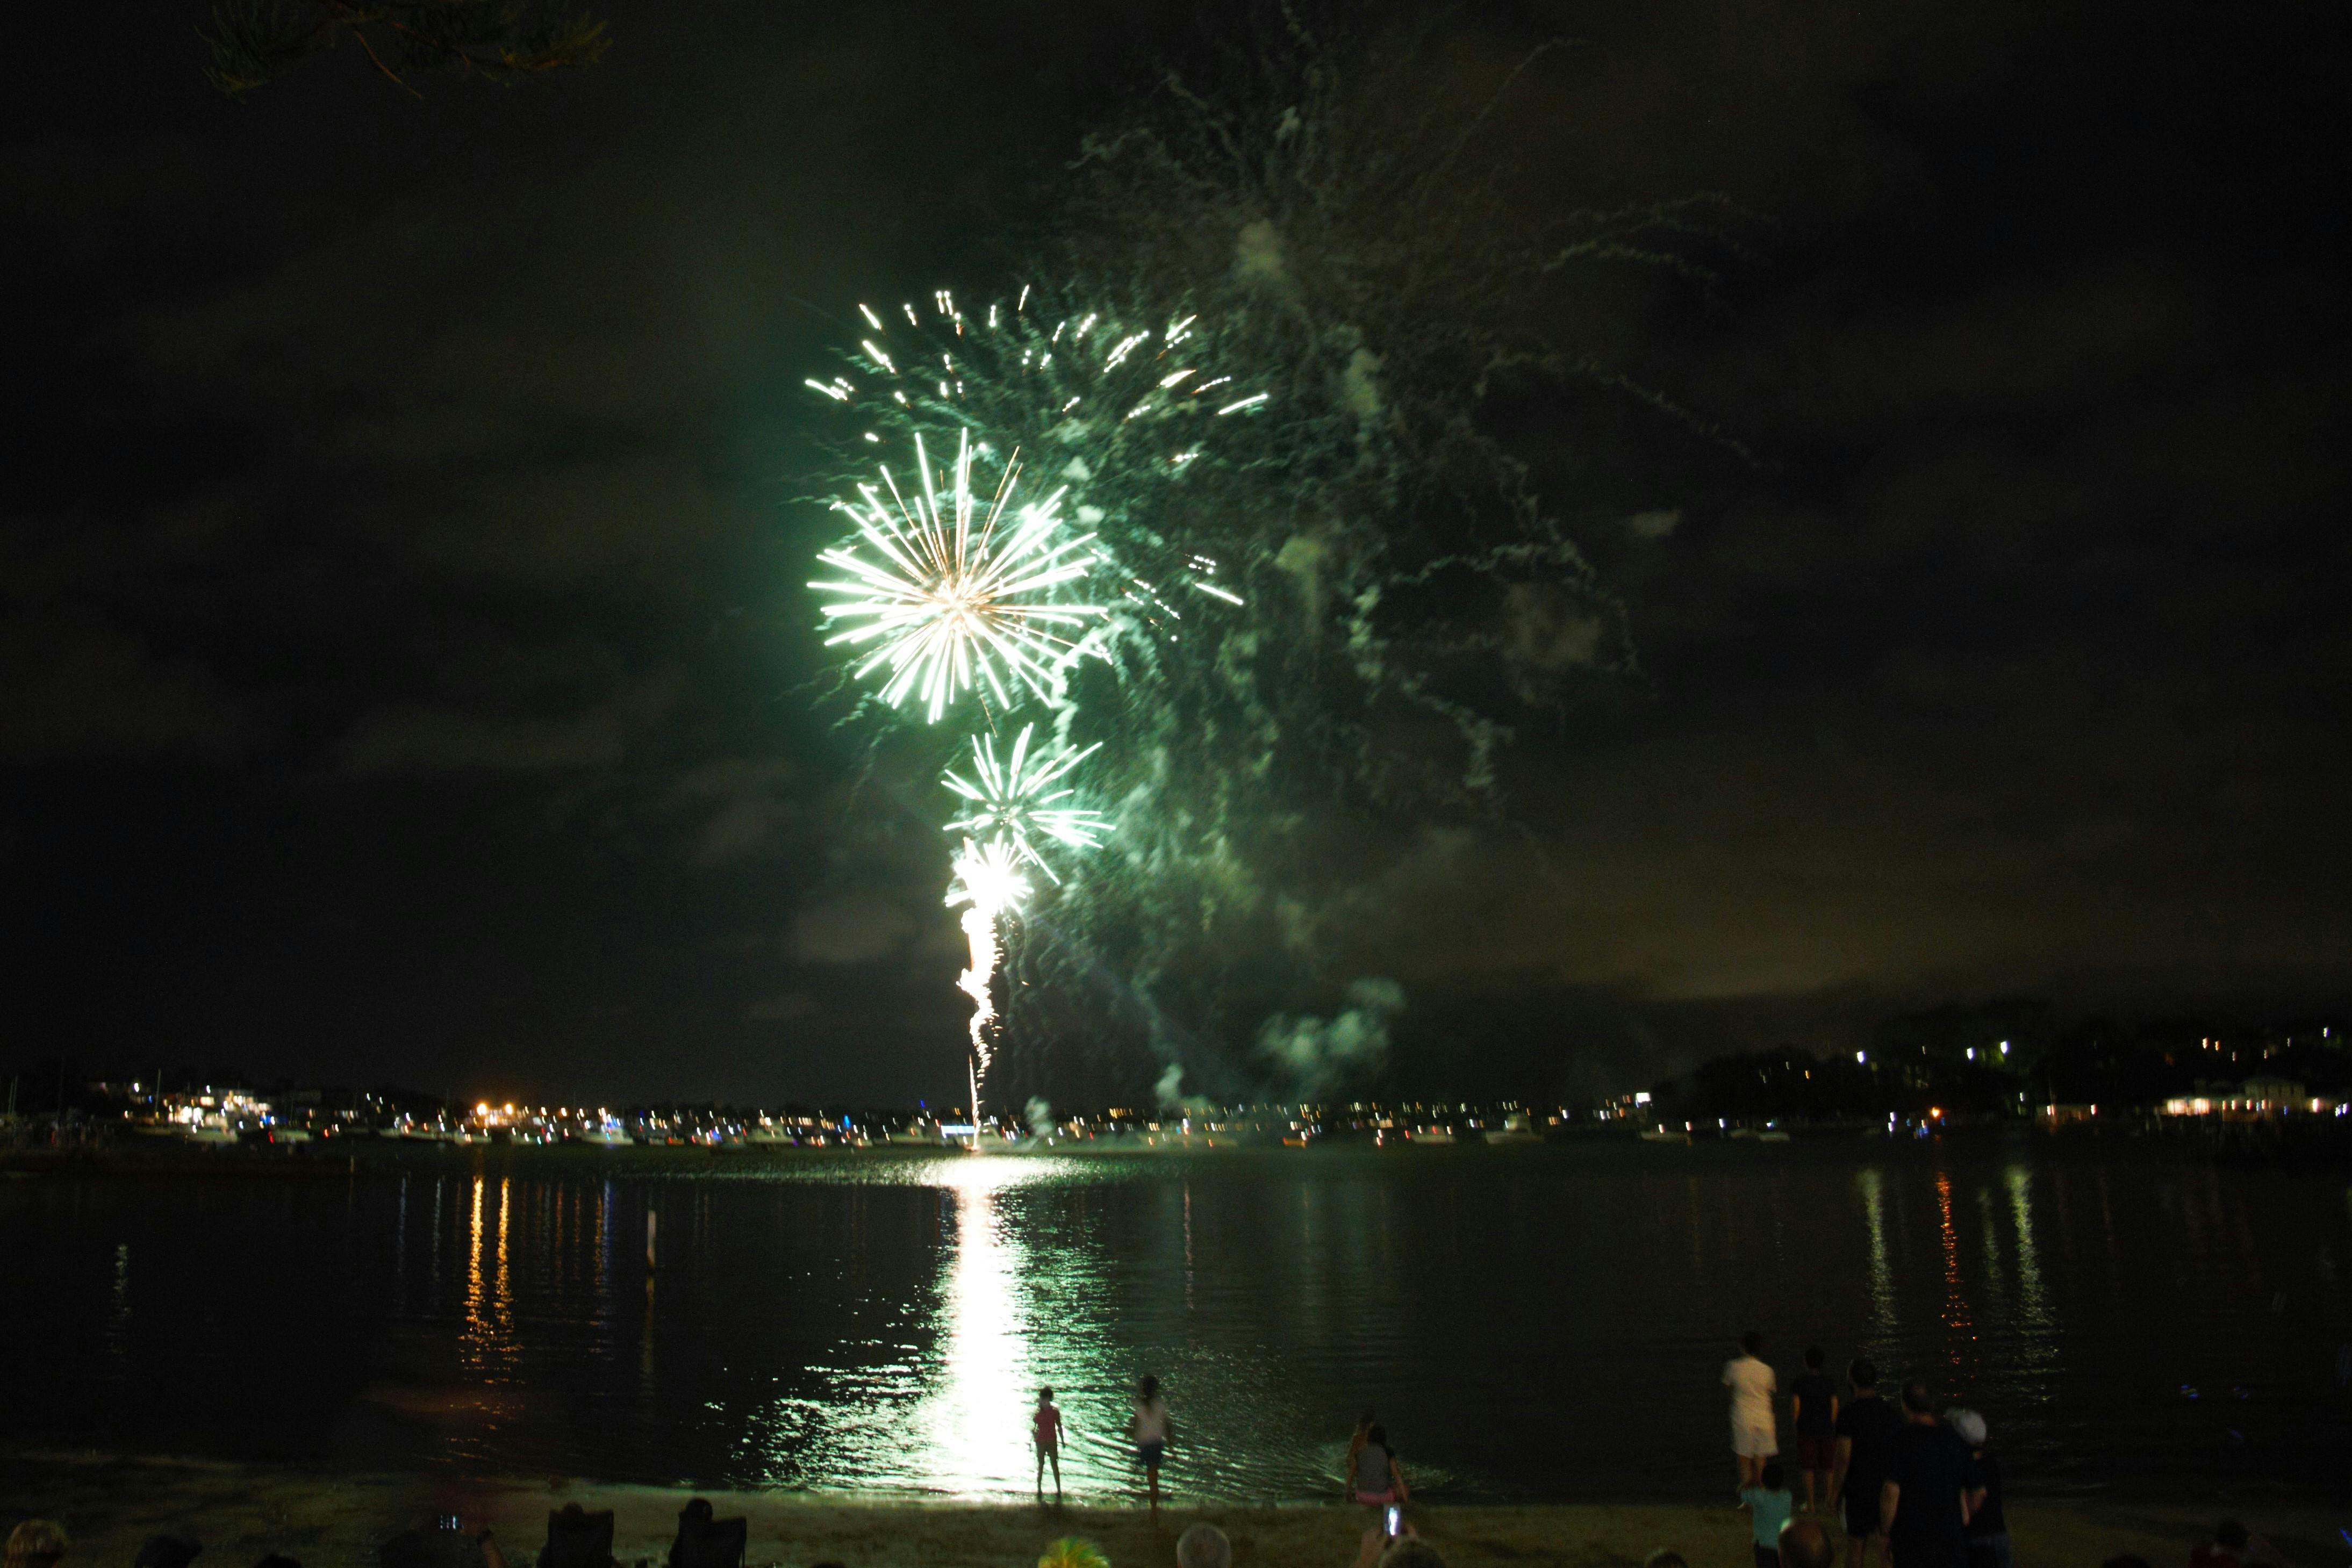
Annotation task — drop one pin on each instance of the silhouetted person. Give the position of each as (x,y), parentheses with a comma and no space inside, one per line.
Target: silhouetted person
(1362,1434)
(703,1541)
(578,1538)
(1046,1431)
(1813,1415)
(1988,1527)
(1378,1479)
(1923,1499)
(1204,1546)
(37,1543)
(1866,1441)
(166,1552)
(1805,1544)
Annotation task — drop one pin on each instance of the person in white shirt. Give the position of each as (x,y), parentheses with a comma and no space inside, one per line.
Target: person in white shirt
(1752,1386)
(1151,1431)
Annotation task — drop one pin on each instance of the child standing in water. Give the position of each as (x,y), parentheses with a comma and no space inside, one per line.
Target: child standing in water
(1047,1422)
(1151,1431)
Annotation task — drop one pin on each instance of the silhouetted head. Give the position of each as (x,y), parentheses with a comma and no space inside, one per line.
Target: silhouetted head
(1774,1476)
(1862,1374)
(1150,1387)
(1204,1546)
(37,1543)
(1805,1544)
(698,1510)
(1379,1435)
(1752,1343)
(1915,1398)
(165,1551)
(1814,1356)
(1044,1396)
(1364,1422)
(1662,1558)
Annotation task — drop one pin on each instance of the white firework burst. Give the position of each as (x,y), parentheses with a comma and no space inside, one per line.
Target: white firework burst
(951,594)
(1130,404)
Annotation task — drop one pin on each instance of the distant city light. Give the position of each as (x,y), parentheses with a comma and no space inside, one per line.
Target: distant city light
(1858,1056)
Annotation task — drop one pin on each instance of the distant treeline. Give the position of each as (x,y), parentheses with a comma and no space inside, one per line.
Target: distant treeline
(2006,1060)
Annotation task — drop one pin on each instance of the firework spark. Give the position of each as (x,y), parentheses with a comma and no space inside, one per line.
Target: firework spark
(1019,801)
(952,593)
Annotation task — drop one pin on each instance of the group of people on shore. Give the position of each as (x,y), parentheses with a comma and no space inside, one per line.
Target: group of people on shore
(1921,1490)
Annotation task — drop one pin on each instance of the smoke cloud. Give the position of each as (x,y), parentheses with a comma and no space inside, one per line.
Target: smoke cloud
(1316,1055)
(1038,1115)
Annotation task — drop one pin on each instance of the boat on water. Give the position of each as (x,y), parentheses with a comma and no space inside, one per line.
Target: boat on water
(1514,1129)
(1662,1136)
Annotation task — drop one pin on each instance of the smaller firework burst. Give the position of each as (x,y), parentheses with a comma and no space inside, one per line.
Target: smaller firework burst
(1021,800)
(953,594)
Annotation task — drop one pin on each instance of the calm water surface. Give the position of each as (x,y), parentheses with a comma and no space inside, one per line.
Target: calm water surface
(1532,1324)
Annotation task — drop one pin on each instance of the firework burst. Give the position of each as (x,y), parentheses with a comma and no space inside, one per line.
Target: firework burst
(950,593)
(1021,800)
(1132,404)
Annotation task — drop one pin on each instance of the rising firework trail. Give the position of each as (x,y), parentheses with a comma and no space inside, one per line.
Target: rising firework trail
(989,884)
(949,592)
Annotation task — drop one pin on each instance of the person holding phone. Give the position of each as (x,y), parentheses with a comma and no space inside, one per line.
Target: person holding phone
(1379,1482)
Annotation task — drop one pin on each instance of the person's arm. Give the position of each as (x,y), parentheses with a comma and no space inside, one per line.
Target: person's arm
(491,1555)
(1837,1470)
(1971,1502)
(1966,1513)
(1889,1496)
(1376,1541)
(1796,1411)
(1834,1409)
(1396,1480)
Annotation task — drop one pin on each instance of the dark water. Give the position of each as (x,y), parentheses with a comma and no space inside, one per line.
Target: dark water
(1532,1324)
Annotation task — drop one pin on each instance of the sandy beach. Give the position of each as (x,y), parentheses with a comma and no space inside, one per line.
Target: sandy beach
(242,1512)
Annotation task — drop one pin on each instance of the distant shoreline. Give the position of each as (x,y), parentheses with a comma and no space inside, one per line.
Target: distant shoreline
(110,1502)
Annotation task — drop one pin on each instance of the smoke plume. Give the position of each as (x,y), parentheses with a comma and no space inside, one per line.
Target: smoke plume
(1316,1055)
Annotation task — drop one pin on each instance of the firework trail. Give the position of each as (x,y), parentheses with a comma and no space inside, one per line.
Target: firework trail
(989,884)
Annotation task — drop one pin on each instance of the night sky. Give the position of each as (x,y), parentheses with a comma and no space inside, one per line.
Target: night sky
(406,673)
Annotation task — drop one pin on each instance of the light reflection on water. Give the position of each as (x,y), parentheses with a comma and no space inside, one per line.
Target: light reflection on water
(1533,1323)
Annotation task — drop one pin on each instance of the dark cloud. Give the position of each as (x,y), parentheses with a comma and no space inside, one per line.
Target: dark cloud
(92,692)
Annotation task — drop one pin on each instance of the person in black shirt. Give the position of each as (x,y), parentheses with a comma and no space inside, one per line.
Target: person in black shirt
(1987,1525)
(1812,1412)
(1923,1502)
(1865,1431)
